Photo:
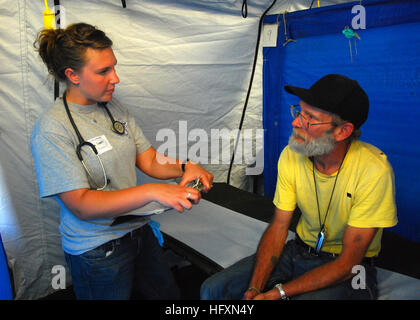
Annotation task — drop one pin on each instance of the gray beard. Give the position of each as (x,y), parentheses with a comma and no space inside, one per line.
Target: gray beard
(315,147)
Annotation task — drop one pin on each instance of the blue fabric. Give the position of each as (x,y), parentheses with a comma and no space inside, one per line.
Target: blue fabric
(117,268)
(5,285)
(155,228)
(386,66)
(231,283)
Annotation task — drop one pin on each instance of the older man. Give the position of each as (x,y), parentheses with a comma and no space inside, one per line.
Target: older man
(345,191)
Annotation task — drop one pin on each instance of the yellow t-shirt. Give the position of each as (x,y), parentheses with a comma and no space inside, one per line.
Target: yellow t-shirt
(364,195)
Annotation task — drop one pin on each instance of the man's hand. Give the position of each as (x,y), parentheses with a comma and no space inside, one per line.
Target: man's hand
(273,294)
(250,294)
(269,249)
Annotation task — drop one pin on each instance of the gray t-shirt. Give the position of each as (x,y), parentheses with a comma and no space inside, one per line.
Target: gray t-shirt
(54,142)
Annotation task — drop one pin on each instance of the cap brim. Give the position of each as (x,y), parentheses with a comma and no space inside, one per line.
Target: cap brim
(302,93)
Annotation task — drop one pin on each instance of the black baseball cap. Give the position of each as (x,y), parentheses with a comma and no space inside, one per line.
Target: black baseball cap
(336,94)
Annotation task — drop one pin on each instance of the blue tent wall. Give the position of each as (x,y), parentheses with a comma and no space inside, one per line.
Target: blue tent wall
(5,285)
(387,66)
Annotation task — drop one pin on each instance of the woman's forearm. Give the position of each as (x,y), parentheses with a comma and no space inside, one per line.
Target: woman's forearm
(93,204)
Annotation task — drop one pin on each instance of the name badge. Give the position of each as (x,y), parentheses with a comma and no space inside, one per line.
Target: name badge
(101,143)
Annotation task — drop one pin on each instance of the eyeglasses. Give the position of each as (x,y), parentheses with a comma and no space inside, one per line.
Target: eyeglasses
(296,111)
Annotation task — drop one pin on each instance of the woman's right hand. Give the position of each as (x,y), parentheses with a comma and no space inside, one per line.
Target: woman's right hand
(175,196)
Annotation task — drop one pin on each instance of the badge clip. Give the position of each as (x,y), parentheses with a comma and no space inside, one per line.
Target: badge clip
(320,240)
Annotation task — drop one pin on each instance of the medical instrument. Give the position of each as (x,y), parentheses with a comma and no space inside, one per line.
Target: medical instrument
(196,184)
(118,128)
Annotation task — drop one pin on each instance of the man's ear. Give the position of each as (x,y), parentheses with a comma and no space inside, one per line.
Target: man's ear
(73,76)
(343,131)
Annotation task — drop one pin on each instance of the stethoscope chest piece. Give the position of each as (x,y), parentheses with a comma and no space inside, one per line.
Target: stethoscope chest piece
(118,127)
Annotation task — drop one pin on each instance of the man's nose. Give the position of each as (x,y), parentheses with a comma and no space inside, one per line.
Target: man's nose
(296,123)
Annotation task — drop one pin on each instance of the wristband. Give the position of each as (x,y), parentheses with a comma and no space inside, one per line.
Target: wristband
(253,288)
(183,165)
(283,295)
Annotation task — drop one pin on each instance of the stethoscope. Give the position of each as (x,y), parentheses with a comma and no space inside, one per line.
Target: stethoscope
(117,126)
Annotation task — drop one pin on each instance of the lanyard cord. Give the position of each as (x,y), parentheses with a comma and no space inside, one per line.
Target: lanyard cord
(332,192)
(103,104)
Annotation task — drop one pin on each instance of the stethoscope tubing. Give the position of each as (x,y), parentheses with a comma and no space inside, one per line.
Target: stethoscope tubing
(83,142)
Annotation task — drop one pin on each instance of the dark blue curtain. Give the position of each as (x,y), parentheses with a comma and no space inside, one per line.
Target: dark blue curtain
(386,64)
(5,285)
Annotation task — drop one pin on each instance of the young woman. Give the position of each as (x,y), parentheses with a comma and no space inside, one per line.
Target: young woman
(86,148)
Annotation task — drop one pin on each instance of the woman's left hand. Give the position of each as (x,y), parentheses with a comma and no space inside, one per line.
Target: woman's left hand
(194,171)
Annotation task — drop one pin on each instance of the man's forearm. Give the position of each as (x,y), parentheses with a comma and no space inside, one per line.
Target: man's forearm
(318,278)
(269,251)
(355,244)
(324,276)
